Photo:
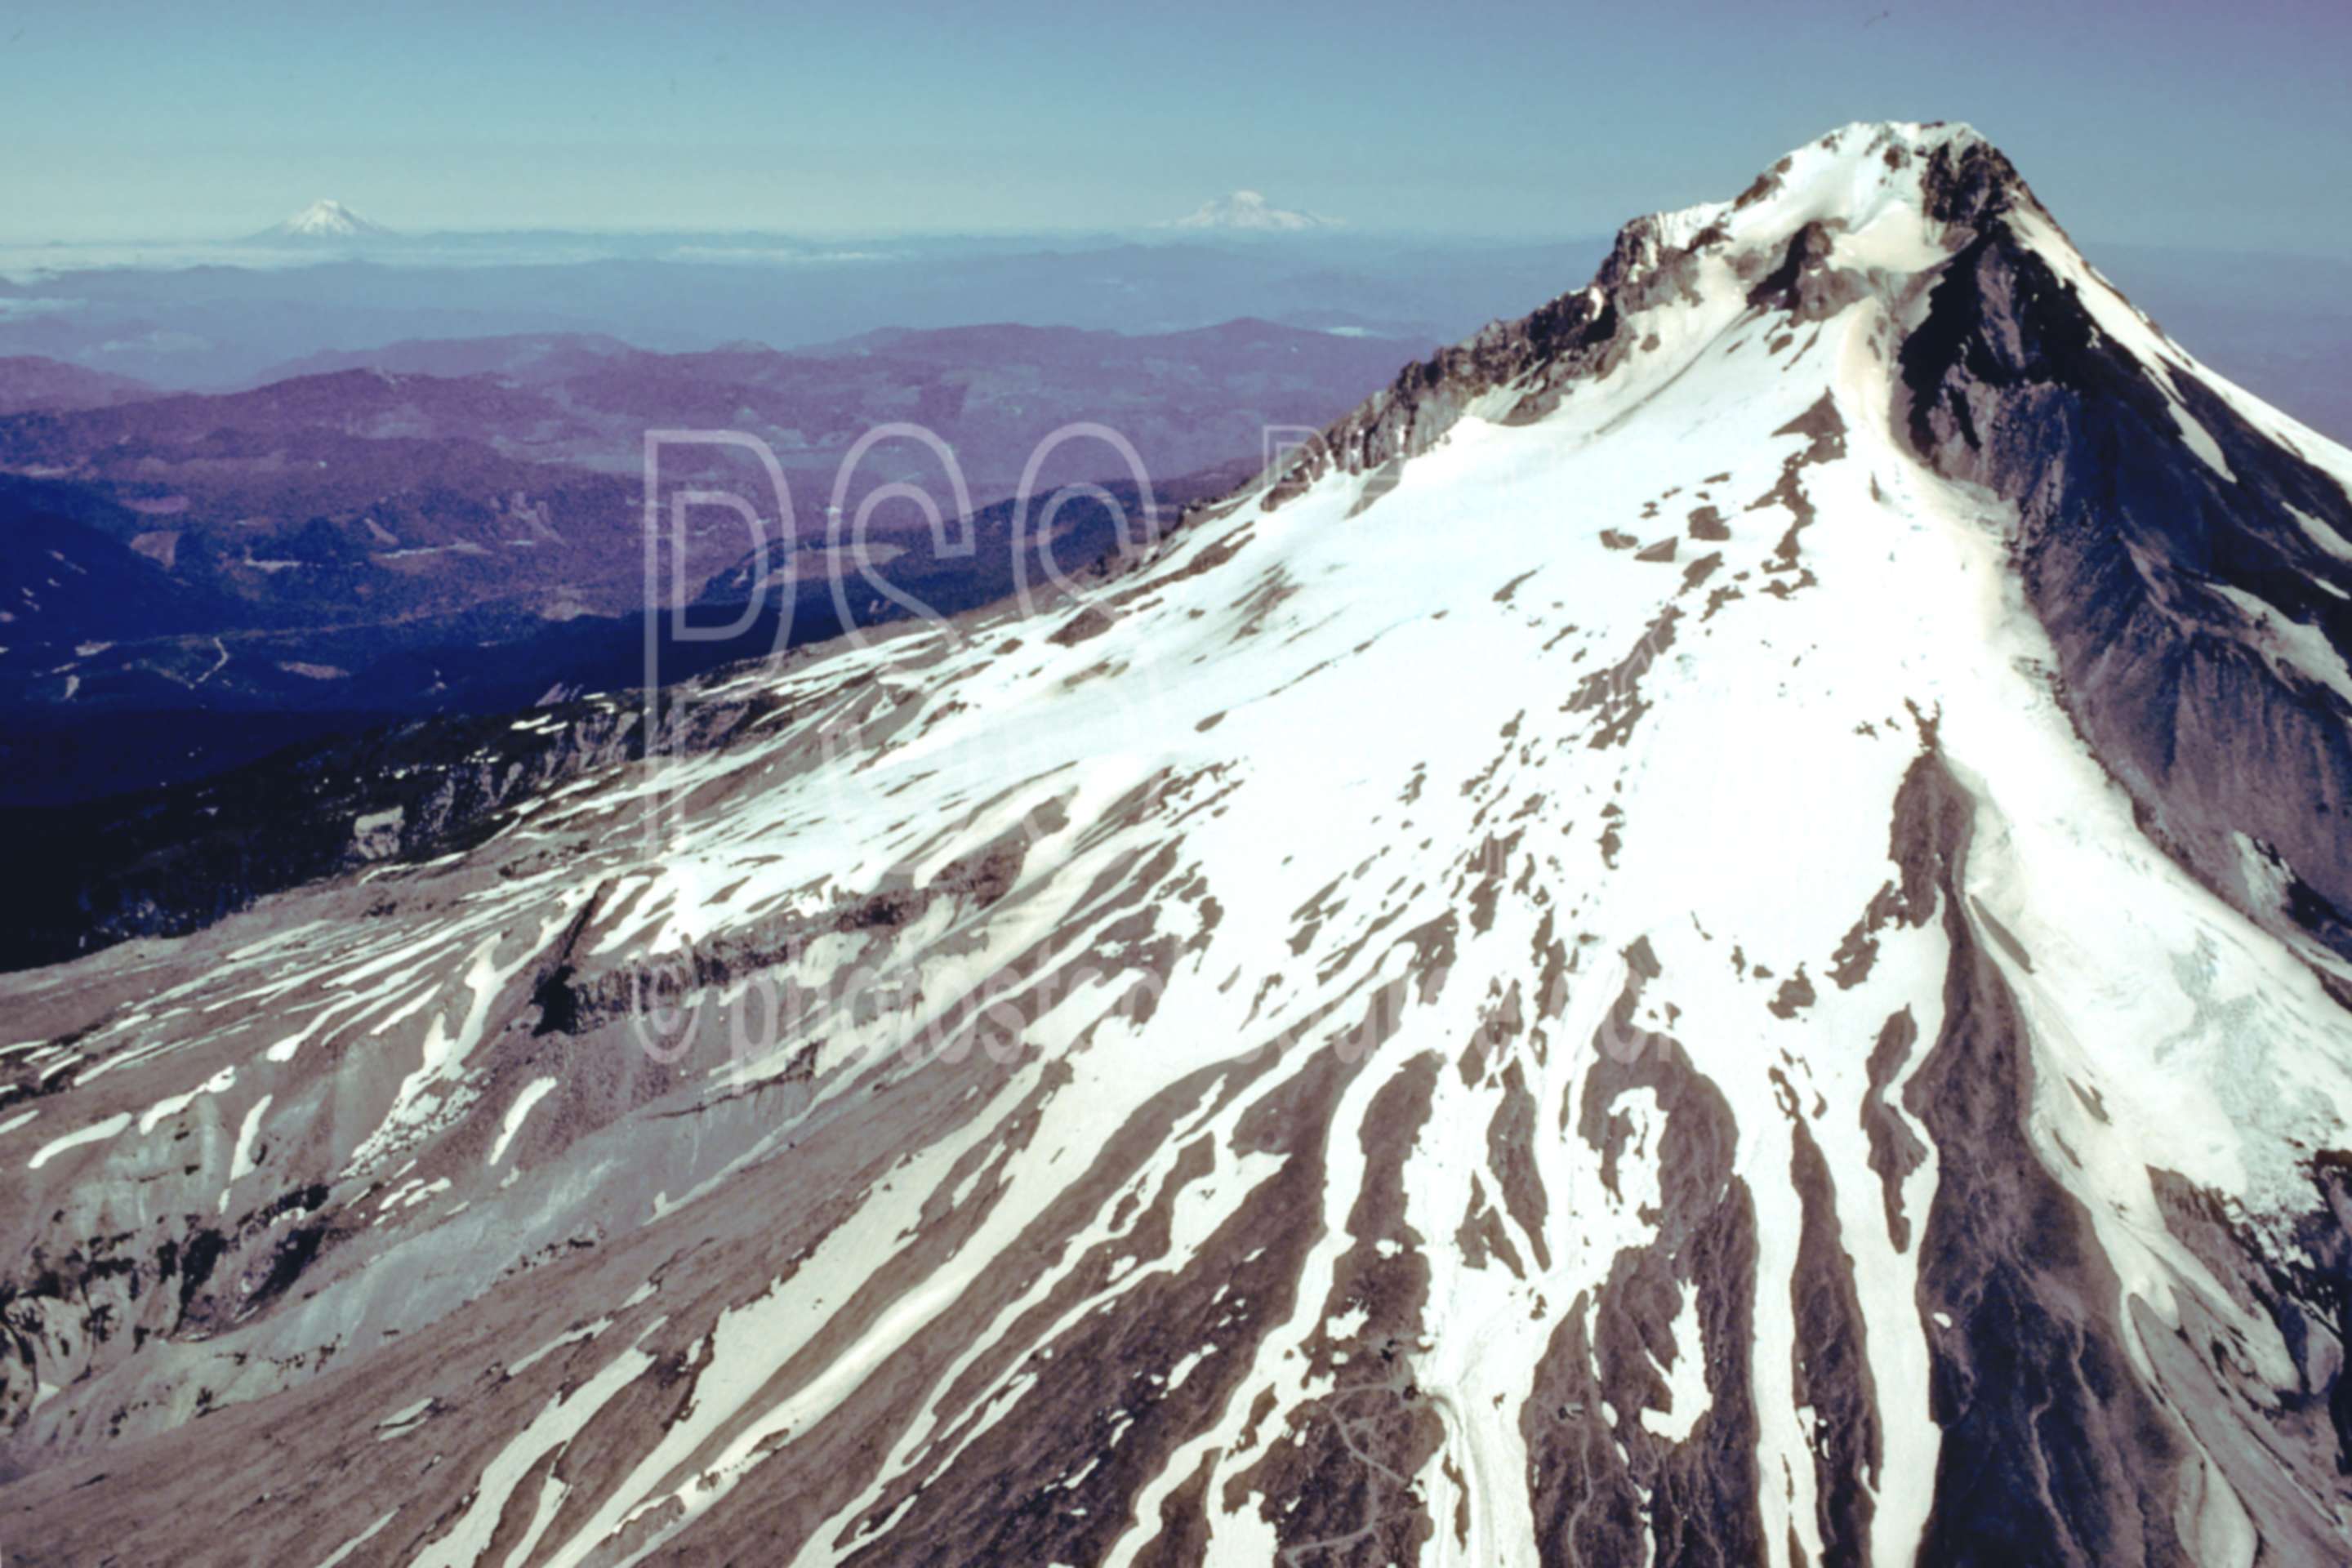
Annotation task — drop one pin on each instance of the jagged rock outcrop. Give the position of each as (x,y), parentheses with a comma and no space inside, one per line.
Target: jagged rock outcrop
(2187,558)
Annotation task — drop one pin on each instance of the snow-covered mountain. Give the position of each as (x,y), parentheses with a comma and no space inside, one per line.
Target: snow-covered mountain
(1716,935)
(1249,212)
(323,220)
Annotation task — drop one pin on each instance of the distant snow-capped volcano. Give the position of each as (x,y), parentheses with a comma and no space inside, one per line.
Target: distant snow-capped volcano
(326,220)
(1250,210)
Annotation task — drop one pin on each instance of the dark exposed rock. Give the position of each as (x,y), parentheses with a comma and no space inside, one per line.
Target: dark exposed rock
(1970,183)
(1615,693)
(1804,284)
(1833,1372)
(2125,538)
(2053,1450)
(1703,1489)
(177,859)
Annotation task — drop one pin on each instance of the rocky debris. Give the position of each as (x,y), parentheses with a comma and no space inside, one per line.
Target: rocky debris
(1804,284)
(2033,1380)
(1530,362)
(2132,562)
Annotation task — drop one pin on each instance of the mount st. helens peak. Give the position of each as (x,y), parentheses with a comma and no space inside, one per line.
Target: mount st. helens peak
(1816,1032)
(325,219)
(1249,212)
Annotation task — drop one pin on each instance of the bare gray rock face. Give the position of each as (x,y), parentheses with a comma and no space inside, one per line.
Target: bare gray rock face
(2165,570)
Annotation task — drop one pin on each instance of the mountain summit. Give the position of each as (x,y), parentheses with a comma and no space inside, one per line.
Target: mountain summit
(1249,212)
(323,220)
(1718,930)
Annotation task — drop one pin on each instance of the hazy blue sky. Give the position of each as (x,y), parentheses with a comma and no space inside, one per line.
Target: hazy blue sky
(2172,123)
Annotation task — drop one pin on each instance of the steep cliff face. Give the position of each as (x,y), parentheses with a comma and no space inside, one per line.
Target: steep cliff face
(2192,565)
(2191,562)
(1517,371)
(1701,939)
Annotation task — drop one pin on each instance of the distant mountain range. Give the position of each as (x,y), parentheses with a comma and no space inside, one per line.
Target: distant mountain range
(445,525)
(36,380)
(195,318)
